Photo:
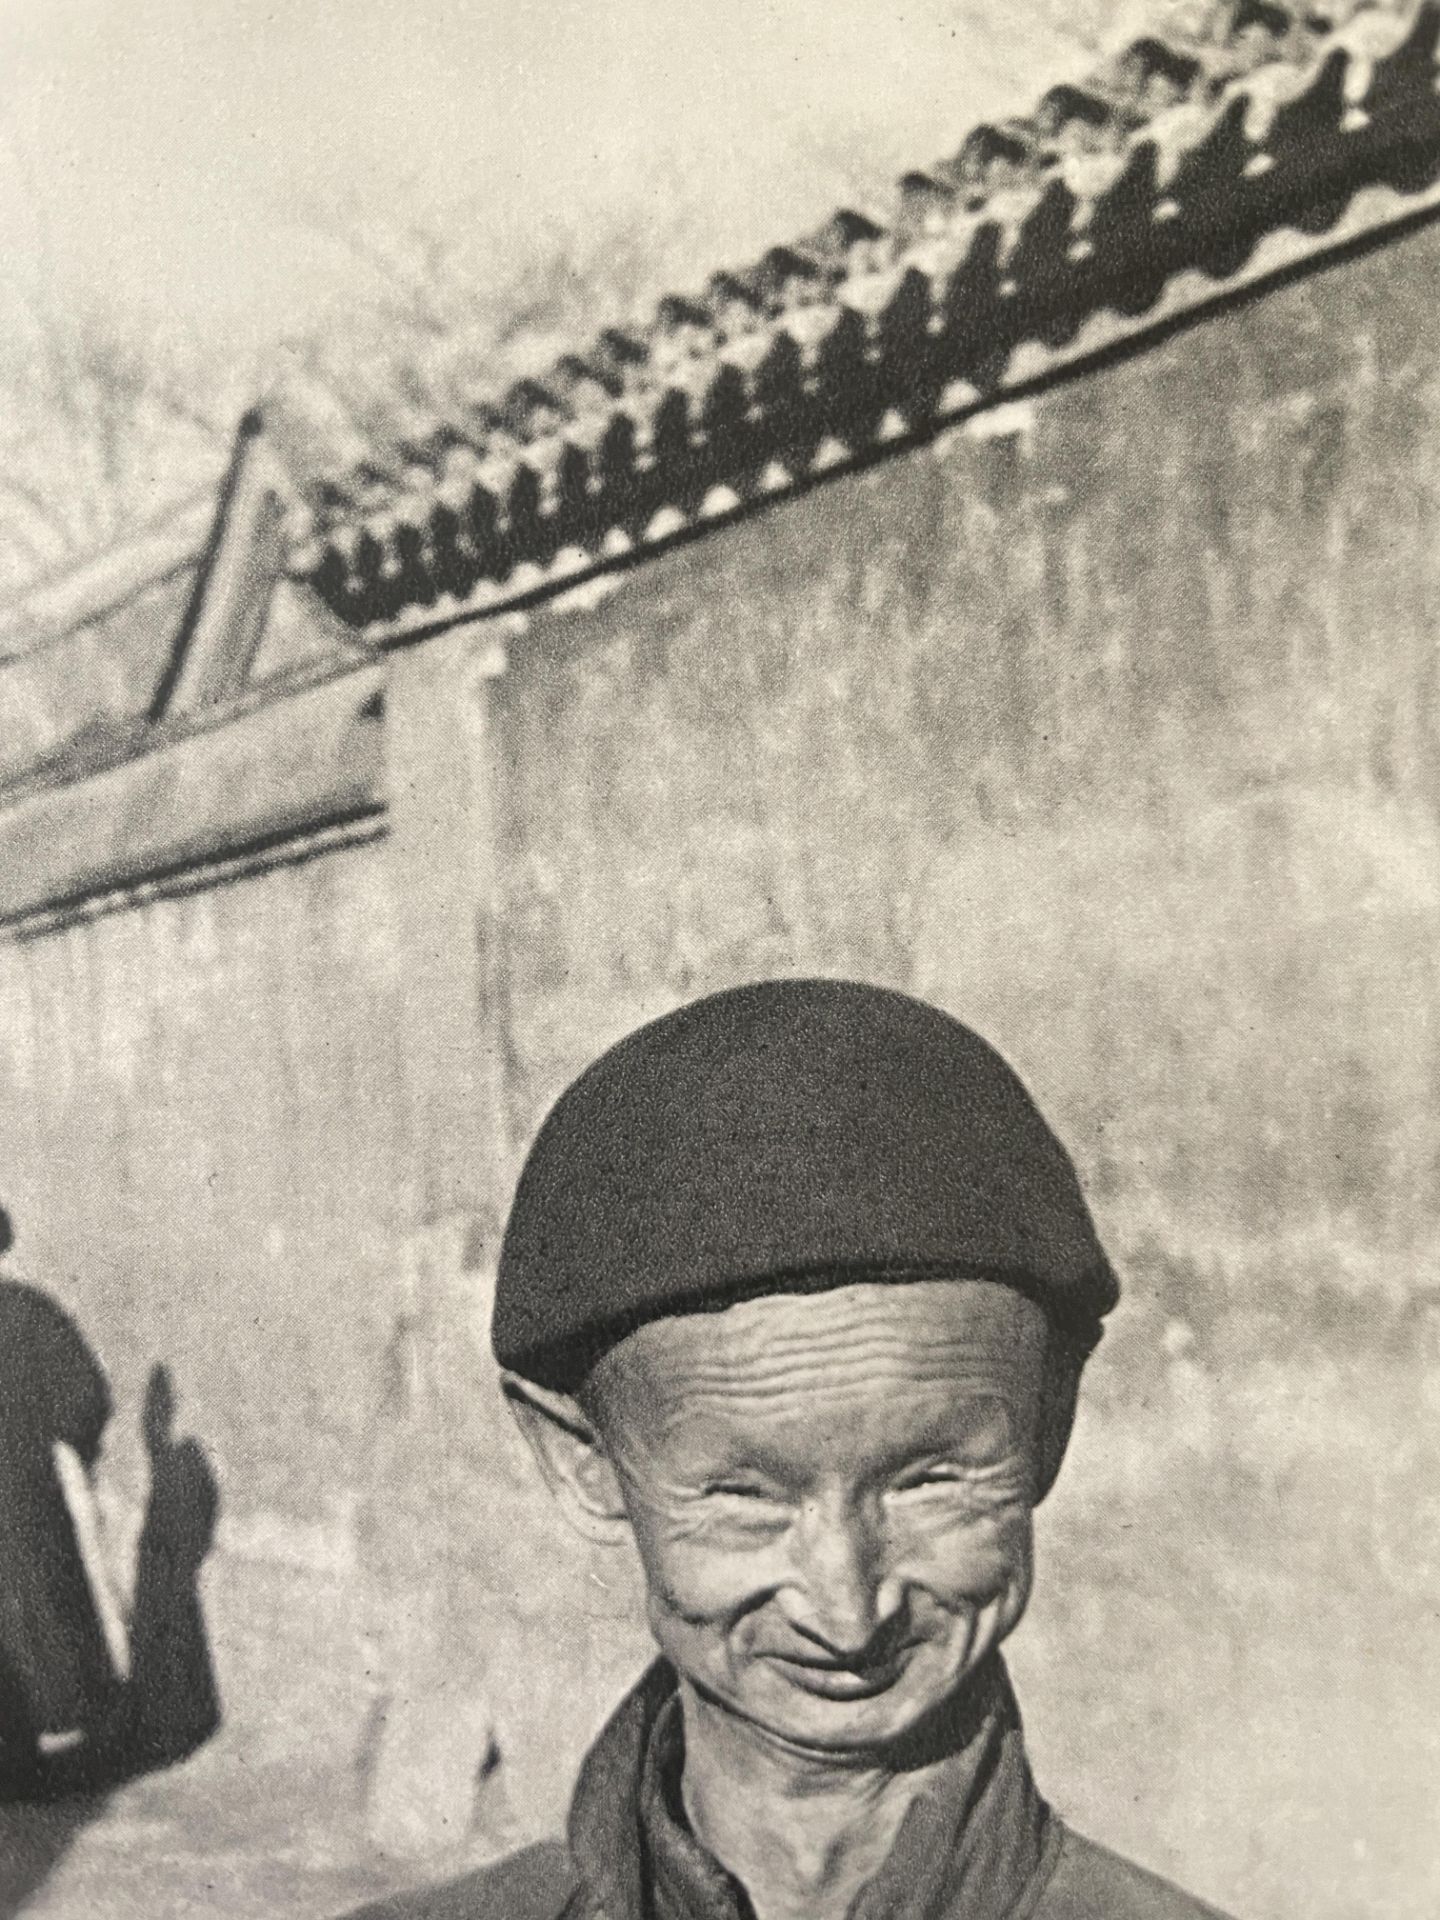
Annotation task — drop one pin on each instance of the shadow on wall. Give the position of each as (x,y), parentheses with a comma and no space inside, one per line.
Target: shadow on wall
(88,1700)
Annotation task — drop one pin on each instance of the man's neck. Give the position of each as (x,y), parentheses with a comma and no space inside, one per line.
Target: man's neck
(802,1833)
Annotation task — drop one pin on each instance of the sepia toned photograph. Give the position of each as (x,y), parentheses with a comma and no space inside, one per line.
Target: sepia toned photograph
(720,960)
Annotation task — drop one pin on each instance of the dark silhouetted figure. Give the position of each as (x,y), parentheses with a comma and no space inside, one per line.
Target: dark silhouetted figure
(73,1726)
(51,1642)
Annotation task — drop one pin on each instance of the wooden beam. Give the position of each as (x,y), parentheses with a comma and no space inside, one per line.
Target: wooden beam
(245,556)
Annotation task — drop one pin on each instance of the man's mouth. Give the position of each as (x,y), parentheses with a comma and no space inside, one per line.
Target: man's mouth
(839,1679)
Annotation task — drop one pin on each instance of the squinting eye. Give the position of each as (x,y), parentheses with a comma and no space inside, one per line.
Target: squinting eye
(739,1490)
(934,1477)
(957,1479)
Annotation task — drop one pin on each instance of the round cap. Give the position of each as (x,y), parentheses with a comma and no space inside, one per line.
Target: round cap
(788,1136)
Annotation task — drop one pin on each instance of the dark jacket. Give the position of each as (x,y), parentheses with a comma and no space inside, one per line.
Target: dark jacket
(53,1658)
(983,1846)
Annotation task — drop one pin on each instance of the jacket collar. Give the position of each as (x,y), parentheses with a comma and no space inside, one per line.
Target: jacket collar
(972,1846)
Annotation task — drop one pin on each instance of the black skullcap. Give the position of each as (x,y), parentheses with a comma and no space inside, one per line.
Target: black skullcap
(788,1136)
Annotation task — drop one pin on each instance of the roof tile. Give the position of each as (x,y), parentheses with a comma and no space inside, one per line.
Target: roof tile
(1177,158)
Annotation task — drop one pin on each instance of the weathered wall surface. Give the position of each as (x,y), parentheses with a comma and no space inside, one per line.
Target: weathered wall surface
(1117,735)
(199,1143)
(1113,730)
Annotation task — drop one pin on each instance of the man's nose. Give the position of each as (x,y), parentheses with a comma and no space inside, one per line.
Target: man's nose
(842,1594)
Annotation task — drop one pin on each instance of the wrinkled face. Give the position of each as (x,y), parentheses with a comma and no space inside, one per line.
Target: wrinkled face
(831,1494)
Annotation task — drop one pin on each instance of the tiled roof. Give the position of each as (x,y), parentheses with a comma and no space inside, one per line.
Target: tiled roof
(1162,179)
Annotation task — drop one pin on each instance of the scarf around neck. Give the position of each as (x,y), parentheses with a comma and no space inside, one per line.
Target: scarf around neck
(977,1844)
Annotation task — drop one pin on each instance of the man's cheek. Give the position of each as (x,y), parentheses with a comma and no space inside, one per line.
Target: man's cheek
(965,1559)
(700,1579)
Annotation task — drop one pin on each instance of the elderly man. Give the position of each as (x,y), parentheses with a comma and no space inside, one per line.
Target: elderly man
(795,1294)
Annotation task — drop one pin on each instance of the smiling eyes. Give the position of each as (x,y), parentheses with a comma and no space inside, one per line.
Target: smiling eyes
(923,1480)
(930,1477)
(978,1446)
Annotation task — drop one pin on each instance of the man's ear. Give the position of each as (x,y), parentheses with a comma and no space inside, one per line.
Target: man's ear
(571,1456)
(1059,1392)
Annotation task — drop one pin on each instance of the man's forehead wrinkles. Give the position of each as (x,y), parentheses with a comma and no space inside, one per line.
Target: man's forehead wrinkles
(899,1359)
(944,1334)
(838,1369)
(905,1408)
(903,1421)
(839,1329)
(976,1308)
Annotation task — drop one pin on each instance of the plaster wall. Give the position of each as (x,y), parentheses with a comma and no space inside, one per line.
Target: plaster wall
(1110,726)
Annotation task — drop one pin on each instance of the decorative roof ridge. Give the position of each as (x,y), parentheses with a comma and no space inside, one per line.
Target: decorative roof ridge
(1187,153)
